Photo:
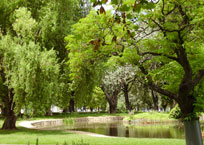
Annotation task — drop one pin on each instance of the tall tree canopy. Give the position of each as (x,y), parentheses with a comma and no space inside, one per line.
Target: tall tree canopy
(29,74)
(32,46)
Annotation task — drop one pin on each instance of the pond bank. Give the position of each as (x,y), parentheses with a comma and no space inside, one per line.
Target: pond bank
(52,124)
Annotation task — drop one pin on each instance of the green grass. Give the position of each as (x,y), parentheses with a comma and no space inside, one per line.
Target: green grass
(75,115)
(149,116)
(23,135)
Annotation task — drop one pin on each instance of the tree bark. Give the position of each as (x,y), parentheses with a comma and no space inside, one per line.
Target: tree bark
(113,102)
(112,99)
(9,114)
(113,108)
(71,105)
(10,121)
(127,102)
(91,109)
(155,100)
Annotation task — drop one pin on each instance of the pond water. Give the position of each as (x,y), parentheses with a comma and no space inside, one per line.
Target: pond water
(121,129)
(137,130)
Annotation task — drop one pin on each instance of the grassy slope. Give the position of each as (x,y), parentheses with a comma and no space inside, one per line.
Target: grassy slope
(149,116)
(23,136)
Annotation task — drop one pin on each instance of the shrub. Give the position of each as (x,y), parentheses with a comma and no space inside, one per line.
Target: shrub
(175,112)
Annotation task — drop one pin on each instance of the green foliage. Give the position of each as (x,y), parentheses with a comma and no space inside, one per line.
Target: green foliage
(31,45)
(89,49)
(149,116)
(175,113)
(98,99)
(31,73)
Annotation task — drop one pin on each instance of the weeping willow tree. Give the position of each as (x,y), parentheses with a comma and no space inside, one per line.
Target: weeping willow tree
(29,73)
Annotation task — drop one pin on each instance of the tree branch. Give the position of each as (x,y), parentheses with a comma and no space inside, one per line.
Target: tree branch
(155,87)
(160,54)
(154,54)
(198,77)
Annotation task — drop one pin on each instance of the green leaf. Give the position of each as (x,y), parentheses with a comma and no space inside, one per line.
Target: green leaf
(149,6)
(136,27)
(104,1)
(124,8)
(93,1)
(114,2)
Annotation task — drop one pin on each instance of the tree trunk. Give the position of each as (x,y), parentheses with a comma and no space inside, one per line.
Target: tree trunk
(9,114)
(113,102)
(91,109)
(49,112)
(71,105)
(112,99)
(193,133)
(10,121)
(138,108)
(127,102)
(192,128)
(113,108)
(155,100)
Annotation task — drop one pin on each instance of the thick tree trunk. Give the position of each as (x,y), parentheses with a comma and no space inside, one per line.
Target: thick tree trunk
(10,121)
(71,105)
(193,133)
(113,108)
(127,102)
(91,109)
(192,128)
(112,99)
(113,102)
(9,114)
(186,105)
(155,100)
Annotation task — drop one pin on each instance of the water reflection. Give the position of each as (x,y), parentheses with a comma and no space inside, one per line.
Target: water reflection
(120,129)
(137,131)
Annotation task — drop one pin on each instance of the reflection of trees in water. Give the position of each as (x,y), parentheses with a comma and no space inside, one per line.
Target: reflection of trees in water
(113,130)
(127,134)
(139,131)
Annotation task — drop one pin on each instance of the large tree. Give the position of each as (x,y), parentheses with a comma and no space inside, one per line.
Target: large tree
(29,75)
(43,28)
(86,63)
(169,33)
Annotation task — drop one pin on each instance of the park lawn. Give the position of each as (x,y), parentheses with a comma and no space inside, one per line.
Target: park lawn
(159,116)
(25,136)
(138,115)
